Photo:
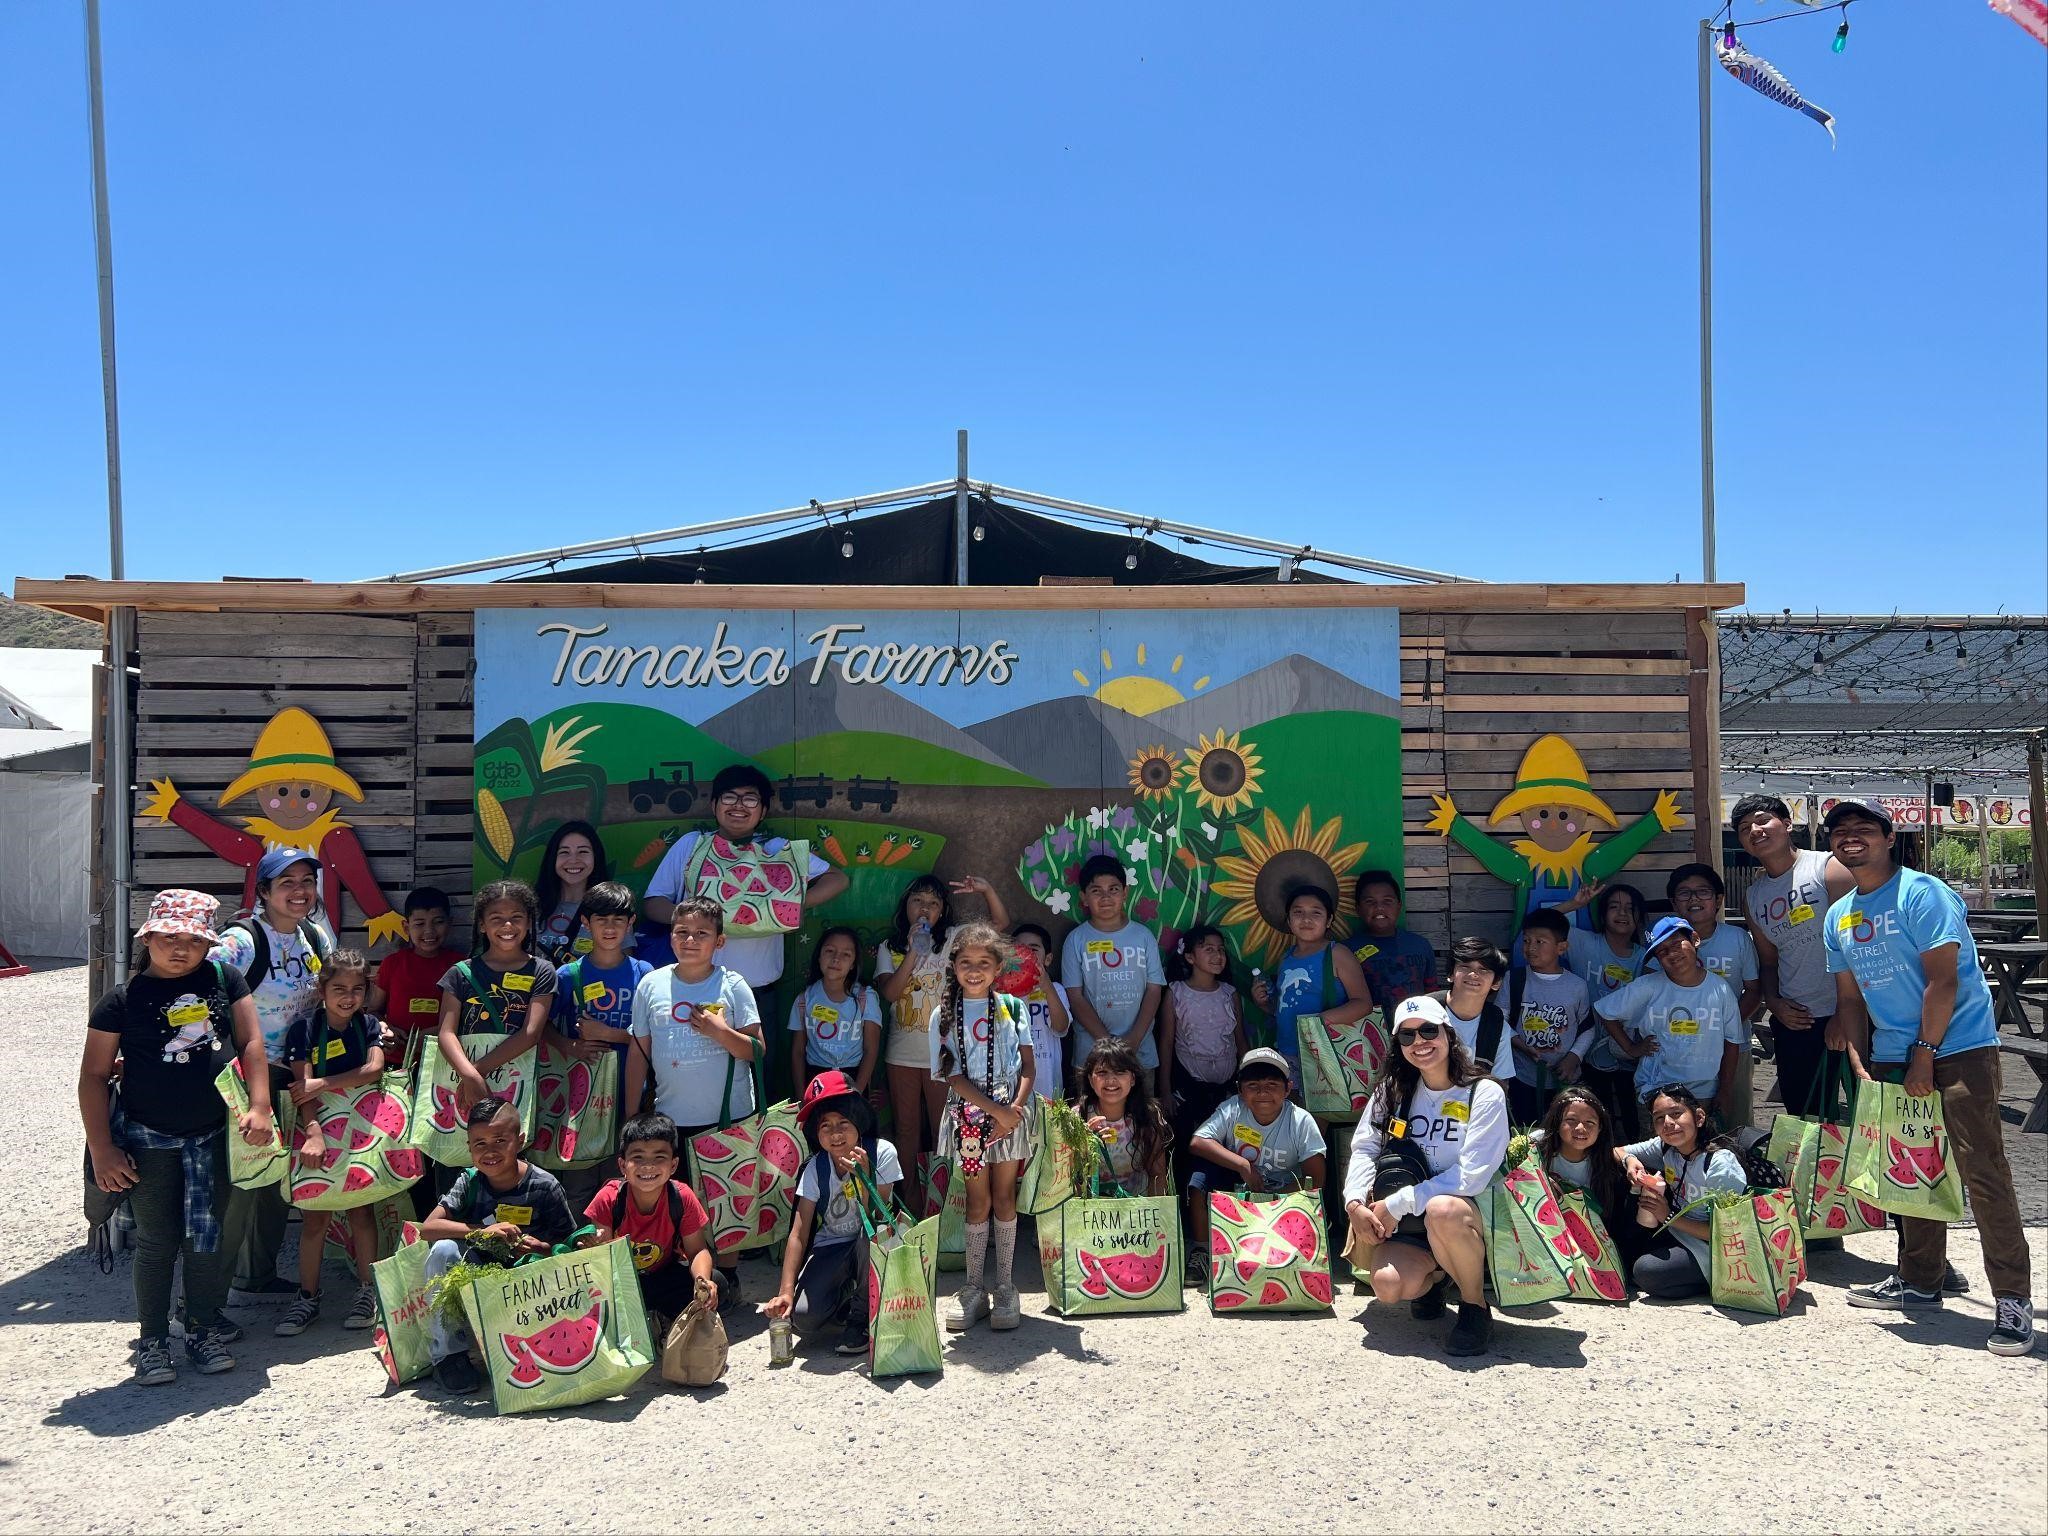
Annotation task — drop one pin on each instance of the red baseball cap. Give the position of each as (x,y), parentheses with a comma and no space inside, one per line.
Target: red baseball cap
(825,1086)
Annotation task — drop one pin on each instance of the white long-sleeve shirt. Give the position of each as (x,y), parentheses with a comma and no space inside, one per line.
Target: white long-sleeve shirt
(1462,1131)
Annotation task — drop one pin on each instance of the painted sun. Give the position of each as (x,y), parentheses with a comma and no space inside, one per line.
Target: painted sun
(1139,692)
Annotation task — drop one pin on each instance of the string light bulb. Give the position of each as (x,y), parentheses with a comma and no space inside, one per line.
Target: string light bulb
(1131,561)
(846,547)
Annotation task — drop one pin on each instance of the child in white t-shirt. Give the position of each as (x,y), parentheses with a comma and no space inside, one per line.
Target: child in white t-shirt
(1550,1008)
(1257,1140)
(836,1023)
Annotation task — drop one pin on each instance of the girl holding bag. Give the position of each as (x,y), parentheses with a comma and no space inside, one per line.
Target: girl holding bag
(981,1050)
(1454,1122)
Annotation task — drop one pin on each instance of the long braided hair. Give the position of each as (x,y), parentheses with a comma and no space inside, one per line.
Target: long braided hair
(952,1001)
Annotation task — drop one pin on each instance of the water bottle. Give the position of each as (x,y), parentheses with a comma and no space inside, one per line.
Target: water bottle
(781,1343)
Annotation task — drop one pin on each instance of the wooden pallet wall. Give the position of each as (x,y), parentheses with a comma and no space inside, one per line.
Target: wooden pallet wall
(210,681)
(1478,688)
(445,666)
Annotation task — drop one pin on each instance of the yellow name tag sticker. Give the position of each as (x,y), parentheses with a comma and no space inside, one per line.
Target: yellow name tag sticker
(424,1005)
(1685,1026)
(1367,951)
(1101,947)
(1847,922)
(1800,914)
(1457,1110)
(823,1015)
(592,991)
(186,1013)
(1250,1137)
(518,1215)
(312,963)
(334,1049)
(583,945)
(1398,1128)
(519,983)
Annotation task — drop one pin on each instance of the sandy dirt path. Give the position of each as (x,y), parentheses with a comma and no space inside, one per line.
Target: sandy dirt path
(1651,1417)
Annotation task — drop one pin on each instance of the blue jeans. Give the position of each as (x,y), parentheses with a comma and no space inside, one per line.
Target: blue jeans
(447,1338)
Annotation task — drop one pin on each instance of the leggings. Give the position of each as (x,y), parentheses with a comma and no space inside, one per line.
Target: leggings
(826,1285)
(1668,1271)
(157,1200)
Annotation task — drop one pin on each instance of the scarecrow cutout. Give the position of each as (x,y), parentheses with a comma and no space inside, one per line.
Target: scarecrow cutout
(1556,808)
(294,776)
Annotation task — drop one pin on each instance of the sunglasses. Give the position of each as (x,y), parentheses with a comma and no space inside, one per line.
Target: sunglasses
(1419,1032)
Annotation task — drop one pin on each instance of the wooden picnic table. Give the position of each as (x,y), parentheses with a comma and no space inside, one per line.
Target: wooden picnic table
(2001,927)
(2011,966)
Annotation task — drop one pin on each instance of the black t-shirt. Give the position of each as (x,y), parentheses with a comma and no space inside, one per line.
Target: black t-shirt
(344,1049)
(176,1035)
(536,1203)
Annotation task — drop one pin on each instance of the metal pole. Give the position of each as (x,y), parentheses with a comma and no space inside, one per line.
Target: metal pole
(1927,823)
(117,800)
(2037,830)
(960,539)
(1706,302)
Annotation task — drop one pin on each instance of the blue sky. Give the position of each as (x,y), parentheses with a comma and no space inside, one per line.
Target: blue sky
(401,285)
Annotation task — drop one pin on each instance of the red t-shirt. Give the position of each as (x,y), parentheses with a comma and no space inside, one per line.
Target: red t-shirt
(654,1236)
(412,988)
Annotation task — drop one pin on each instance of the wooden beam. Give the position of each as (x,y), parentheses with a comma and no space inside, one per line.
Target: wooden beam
(92,598)
(1703,690)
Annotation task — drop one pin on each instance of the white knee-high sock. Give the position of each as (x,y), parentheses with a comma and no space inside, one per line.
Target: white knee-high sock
(977,1251)
(1006,1251)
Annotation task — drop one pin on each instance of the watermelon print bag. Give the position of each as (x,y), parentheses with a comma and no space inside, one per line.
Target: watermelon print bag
(759,893)
(404,1336)
(1529,1247)
(1899,1155)
(1268,1254)
(1813,1151)
(437,1126)
(369,1154)
(745,1172)
(1758,1252)
(1340,1065)
(252,1167)
(1051,1177)
(1117,1255)
(561,1330)
(576,1115)
(1595,1273)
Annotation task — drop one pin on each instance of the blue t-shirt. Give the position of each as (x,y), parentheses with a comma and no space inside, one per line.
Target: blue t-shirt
(1879,938)
(584,987)
(1398,967)
(1306,984)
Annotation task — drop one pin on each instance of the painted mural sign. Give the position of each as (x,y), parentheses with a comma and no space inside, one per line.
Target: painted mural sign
(1223,755)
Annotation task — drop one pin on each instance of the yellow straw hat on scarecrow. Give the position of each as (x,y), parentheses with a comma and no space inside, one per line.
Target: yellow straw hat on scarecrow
(1552,773)
(293,749)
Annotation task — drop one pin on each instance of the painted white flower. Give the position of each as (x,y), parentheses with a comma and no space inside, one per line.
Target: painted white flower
(1058,903)
(1130,876)
(1209,830)
(1098,818)
(1138,849)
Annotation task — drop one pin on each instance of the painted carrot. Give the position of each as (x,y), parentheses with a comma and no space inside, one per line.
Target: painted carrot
(656,847)
(902,851)
(829,841)
(862,854)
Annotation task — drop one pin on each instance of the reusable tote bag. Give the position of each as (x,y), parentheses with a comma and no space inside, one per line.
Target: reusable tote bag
(1120,1254)
(1813,1151)
(1595,1272)
(1268,1254)
(437,1122)
(1340,1065)
(731,1174)
(1899,1156)
(903,1277)
(1529,1248)
(1758,1252)
(759,893)
(576,1116)
(367,1151)
(252,1167)
(404,1333)
(562,1329)
(1052,1176)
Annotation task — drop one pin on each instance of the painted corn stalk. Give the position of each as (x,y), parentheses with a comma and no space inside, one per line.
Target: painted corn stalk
(513,777)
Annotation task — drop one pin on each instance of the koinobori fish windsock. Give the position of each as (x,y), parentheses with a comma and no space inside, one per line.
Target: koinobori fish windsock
(2031,14)
(1762,76)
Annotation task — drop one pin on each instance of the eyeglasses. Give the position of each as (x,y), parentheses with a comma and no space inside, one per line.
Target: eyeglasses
(1419,1032)
(740,800)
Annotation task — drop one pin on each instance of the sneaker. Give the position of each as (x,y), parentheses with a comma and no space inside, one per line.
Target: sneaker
(262,1293)
(1430,1304)
(154,1365)
(2011,1334)
(362,1312)
(1891,1294)
(1008,1309)
(1472,1332)
(1952,1281)
(457,1374)
(853,1341)
(728,1282)
(970,1306)
(1198,1271)
(299,1316)
(230,1332)
(210,1353)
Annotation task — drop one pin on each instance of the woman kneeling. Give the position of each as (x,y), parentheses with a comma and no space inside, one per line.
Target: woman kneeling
(1431,1141)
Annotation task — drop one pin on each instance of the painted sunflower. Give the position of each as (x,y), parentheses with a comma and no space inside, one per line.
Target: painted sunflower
(1270,864)
(1154,773)
(1224,773)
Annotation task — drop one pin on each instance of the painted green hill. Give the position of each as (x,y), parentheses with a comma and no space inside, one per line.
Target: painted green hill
(878,755)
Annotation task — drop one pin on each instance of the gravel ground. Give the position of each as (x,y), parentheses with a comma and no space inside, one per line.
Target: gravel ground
(1651,1417)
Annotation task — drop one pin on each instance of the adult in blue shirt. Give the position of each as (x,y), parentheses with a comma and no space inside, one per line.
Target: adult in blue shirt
(1903,959)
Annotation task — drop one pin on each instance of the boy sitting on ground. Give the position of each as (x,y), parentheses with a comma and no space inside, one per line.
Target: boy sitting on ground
(1258,1140)
(659,1215)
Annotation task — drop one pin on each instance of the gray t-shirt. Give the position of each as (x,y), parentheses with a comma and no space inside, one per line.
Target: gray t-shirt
(1791,911)
(1112,970)
(1277,1149)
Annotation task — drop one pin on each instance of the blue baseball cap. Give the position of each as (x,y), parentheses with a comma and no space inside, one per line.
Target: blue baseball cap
(1668,928)
(278,860)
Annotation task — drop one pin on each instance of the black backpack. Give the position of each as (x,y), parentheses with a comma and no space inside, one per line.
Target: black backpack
(675,1213)
(311,934)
